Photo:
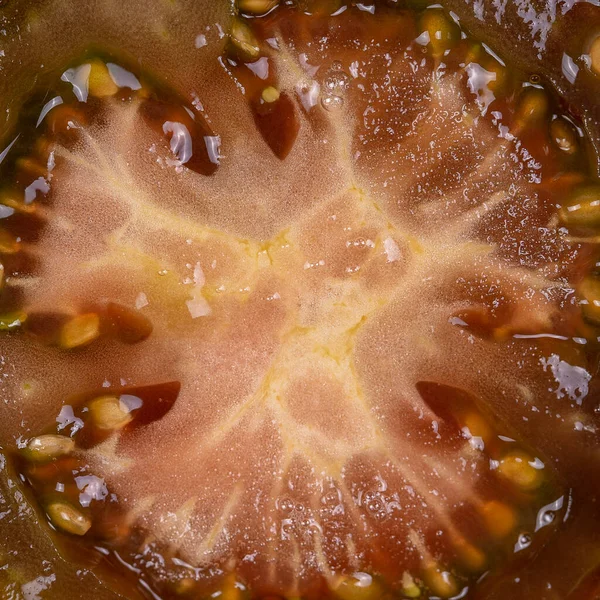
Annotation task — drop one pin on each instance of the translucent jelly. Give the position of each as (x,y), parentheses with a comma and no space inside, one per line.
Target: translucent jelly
(316,318)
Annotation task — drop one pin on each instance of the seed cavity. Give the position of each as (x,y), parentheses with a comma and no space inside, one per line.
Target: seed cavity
(131,325)
(278,123)
(65,118)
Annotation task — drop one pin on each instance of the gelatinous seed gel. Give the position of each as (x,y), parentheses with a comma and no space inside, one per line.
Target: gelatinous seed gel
(315,318)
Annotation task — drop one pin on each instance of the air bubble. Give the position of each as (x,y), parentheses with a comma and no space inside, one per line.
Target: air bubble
(375,505)
(337,82)
(335,85)
(523,542)
(332,103)
(286,505)
(332,497)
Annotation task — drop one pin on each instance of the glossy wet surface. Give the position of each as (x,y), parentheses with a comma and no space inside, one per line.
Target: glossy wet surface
(336,340)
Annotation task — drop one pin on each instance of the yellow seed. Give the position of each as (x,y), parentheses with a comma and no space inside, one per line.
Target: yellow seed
(244,40)
(12,321)
(473,53)
(13,578)
(48,447)
(409,588)
(145,91)
(42,148)
(594,54)
(441,582)
(109,413)
(68,518)
(589,292)
(33,19)
(470,556)
(232,589)
(477,426)
(16,202)
(8,243)
(270,94)
(443,33)
(583,208)
(503,333)
(360,586)
(320,7)
(563,135)
(501,72)
(184,586)
(31,167)
(533,106)
(516,468)
(499,518)
(100,83)
(256,7)
(80,330)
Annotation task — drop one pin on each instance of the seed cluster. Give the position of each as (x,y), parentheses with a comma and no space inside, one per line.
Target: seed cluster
(78,503)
